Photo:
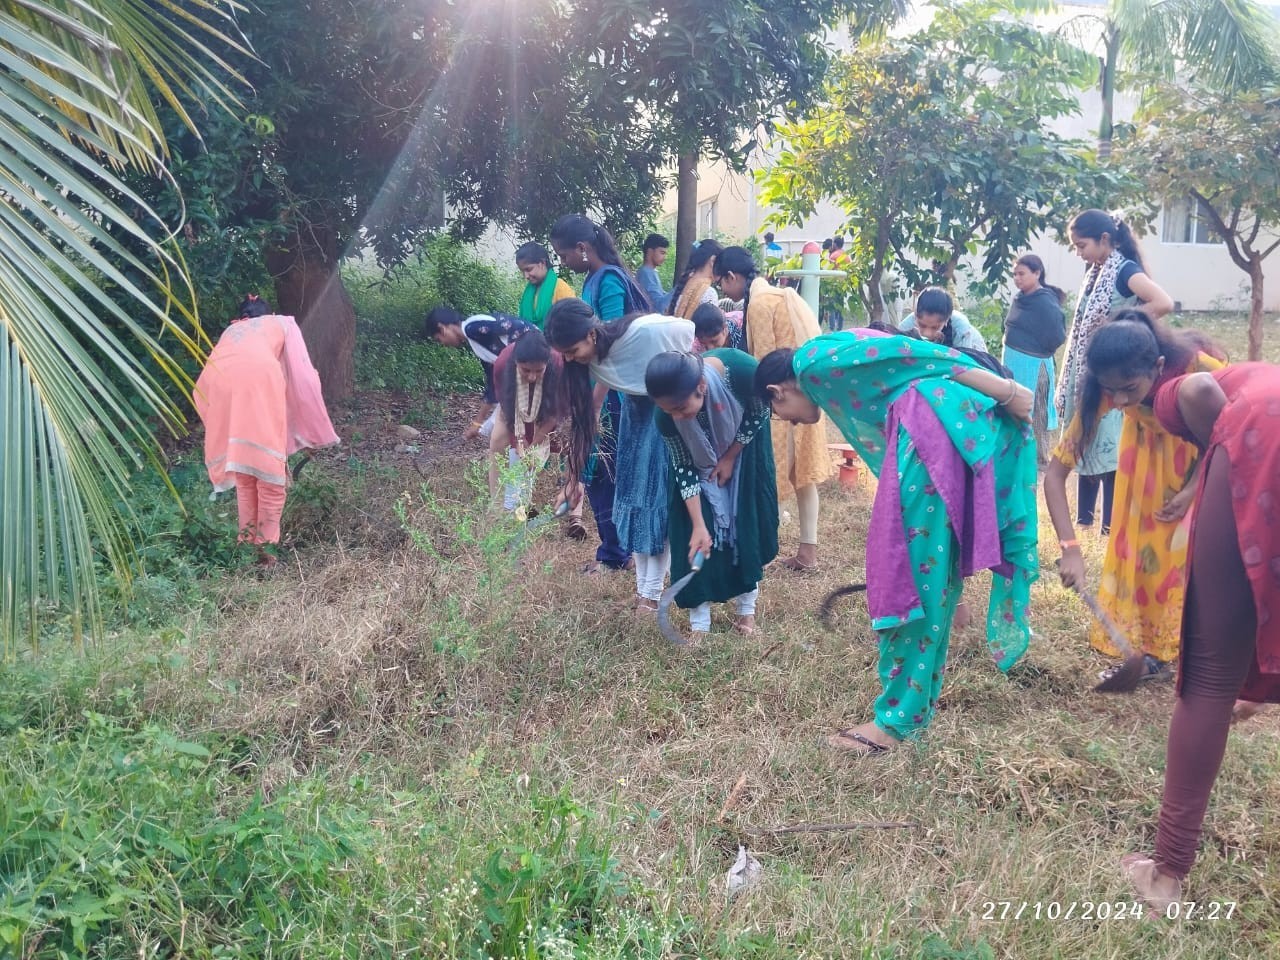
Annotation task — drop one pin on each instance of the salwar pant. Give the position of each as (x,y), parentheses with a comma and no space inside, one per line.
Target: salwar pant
(744,605)
(651,573)
(913,655)
(1218,647)
(1087,498)
(260,505)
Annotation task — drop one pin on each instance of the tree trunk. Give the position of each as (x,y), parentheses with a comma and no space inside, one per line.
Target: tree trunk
(1109,64)
(309,288)
(1256,313)
(686,208)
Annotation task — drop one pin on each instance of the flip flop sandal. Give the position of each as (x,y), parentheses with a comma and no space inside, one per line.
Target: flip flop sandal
(873,748)
(743,629)
(1153,669)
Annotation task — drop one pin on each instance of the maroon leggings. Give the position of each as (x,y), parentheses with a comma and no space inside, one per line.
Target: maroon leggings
(1219,637)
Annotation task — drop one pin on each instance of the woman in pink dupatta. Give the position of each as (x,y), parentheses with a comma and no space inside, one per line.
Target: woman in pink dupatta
(260,400)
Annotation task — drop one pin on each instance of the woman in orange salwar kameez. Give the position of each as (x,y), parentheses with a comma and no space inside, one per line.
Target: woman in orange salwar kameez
(260,400)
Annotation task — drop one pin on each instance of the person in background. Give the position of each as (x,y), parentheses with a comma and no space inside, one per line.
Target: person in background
(531,405)
(612,293)
(655,255)
(773,252)
(775,317)
(1230,632)
(1115,278)
(543,286)
(487,336)
(1034,329)
(936,319)
(614,356)
(955,462)
(694,287)
(260,401)
(713,329)
(1143,574)
(721,493)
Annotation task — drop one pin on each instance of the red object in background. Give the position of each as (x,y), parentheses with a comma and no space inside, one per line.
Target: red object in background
(849,470)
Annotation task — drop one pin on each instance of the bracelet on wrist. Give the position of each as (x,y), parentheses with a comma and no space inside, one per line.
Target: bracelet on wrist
(1068,544)
(1013,392)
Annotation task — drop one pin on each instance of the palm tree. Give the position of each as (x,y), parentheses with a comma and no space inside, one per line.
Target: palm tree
(1227,44)
(80,307)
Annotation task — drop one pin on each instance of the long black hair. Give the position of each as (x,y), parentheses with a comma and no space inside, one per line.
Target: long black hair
(531,347)
(1095,224)
(574,228)
(738,260)
(775,368)
(571,321)
(1036,266)
(673,375)
(704,252)
(1130,344)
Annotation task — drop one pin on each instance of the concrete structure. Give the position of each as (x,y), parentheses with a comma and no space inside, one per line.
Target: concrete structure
(1195,269)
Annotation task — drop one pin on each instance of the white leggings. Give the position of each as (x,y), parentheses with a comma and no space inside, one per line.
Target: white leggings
(744,605)
(651,572)
(807,508)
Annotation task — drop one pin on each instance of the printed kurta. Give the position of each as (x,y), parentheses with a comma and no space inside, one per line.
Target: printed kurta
(1144,573)
(956,494)
(721,578)
(777,317)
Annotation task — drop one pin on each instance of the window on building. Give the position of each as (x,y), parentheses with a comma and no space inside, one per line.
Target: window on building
(707,218)
(1186,221)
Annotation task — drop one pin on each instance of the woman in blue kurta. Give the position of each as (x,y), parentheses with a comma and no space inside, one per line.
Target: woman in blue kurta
(961,498)
(723,499)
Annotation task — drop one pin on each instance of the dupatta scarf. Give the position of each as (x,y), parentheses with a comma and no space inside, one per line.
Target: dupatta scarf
(707,446)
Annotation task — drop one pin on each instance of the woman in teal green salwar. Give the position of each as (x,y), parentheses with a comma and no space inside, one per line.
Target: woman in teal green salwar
(962,498)
(723,498)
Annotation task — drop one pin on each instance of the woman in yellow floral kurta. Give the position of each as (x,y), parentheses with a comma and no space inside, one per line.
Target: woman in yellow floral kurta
(773,318)
(1144,572)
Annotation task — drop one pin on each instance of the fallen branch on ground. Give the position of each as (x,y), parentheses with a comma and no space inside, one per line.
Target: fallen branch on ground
(830,827)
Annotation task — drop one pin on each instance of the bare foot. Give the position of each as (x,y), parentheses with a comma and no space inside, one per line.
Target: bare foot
(1244,709)
(745,624)
(962,617)
(1154,888)
(866,740)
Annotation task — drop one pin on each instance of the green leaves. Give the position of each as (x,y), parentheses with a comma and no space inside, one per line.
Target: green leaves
(91,286)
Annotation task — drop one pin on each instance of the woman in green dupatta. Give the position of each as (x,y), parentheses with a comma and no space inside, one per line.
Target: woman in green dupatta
(961,498)
(723,501)
(543,286)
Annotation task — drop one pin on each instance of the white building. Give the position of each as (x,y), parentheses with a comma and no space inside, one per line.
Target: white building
(1180,255)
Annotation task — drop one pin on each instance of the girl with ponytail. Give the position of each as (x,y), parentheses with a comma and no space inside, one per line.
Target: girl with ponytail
(614,356)
(1143,574)
(1115,279)
(775,318)
(693,288)
(721,497)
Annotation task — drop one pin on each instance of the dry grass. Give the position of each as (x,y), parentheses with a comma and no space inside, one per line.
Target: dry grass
(1026,788)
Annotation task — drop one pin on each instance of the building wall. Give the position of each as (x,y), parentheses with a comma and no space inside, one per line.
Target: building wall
(1197,276)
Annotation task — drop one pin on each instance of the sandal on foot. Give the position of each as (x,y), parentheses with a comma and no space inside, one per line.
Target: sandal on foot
(746,629)
(1153,669)
(645,605)
(840,740)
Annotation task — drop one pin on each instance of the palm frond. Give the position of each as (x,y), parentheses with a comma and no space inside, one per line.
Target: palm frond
(90,280)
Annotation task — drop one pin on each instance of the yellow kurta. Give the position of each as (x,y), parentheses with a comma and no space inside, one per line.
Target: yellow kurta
(1144,572)
(776,318)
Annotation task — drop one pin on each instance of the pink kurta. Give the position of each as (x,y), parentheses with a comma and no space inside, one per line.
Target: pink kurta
(260,400)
